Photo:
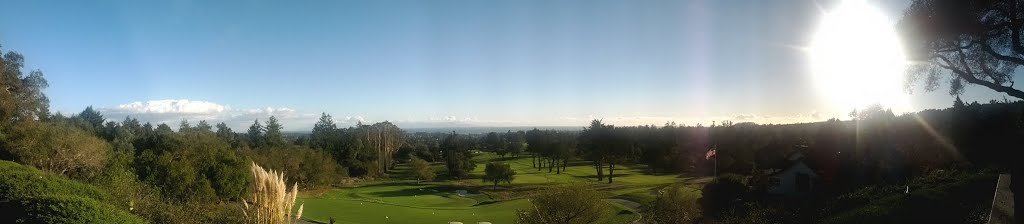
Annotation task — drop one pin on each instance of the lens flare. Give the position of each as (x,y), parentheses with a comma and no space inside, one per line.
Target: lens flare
(856,59)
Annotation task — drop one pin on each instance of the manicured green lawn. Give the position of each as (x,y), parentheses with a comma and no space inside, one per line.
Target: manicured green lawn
(355,211)
(404,201)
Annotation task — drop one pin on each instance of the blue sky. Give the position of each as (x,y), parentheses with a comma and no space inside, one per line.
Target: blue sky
(431,63)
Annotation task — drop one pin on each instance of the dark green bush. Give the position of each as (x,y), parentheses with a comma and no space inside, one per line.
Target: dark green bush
(938,197)
(72,209)
(721,193)
(19,181)
(192,166)
(28,195)
(310,168)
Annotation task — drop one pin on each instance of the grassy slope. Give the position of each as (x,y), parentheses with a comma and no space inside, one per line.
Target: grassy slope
(28,195)
(434,202)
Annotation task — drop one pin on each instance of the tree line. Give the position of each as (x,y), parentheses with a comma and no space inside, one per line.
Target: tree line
(364,149)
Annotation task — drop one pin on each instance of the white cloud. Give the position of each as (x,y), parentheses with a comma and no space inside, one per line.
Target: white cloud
(270,111)
(173,111)
(351,120)
(172,106)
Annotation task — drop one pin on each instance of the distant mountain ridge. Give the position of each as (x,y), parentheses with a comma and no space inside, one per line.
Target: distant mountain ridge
(465,130)
(481,130)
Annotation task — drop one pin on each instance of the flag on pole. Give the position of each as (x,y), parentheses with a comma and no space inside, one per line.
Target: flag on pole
(710,153)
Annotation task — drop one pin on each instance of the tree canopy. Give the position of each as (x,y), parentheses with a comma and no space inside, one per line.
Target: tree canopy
(421,170)
(975,42)
(21,95)
(498,172)
(574,204)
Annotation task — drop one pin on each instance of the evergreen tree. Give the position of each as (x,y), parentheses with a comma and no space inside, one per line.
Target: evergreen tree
(255,134)
(204,127)
(458,157)
(184,127)
(274,137)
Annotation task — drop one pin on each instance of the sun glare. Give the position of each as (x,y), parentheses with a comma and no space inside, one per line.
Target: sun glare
(856,58)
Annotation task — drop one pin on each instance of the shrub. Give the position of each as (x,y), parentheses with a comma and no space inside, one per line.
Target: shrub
(18,181)
(30,195)
(673,205)
(498,172)
(937,197)
(59,148)
(566,204)
(421,170)
(73,209)
(721,193)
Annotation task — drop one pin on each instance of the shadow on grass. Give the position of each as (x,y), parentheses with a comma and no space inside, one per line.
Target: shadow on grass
(401,193)
(312,221)
(485,203)
(436,190)
(389,184)
(502,159)
(594,176)
(580,163)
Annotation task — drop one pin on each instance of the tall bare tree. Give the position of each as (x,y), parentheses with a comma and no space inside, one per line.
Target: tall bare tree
(385,138)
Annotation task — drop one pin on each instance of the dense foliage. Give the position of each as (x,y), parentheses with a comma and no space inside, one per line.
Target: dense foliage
(945,196)
(458,155)
(574,204)
(673,205)
(311,168)
(421,170)
(498,172)
(721,193)
(32,196)
(191,166)
(58,148)
(22,98)
(508,143)
(366,150)
(551,149)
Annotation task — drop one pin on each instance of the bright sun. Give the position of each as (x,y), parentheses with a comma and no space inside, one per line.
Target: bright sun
(856,58)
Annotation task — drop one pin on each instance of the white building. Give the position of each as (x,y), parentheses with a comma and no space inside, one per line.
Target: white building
(796,178)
